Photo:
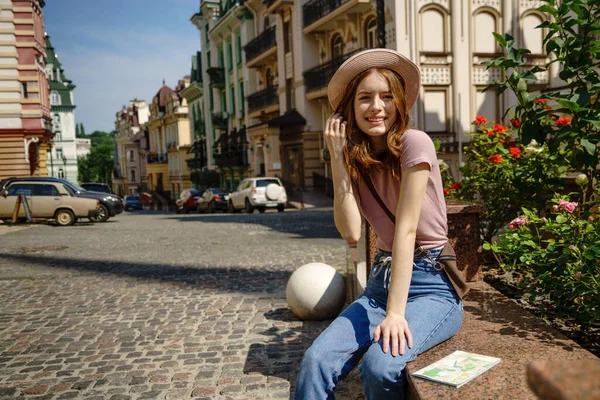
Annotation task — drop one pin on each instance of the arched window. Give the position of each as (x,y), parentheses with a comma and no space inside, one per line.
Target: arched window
(54,99)
(483,39)
(337,46)
(61,173)
(532,38)
(371,33)
(433,31)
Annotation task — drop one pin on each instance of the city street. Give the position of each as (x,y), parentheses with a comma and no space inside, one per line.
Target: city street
(156,305)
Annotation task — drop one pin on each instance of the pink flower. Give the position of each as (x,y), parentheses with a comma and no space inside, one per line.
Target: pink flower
(567,206)
(577,275)
(519,221)
(572,247)
(555,207)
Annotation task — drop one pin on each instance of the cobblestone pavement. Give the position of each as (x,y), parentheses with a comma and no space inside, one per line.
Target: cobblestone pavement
(161,306)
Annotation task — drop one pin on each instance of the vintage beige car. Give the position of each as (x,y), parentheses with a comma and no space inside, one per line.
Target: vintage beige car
(46,200)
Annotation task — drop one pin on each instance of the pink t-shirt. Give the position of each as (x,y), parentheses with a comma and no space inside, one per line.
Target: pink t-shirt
(432,229)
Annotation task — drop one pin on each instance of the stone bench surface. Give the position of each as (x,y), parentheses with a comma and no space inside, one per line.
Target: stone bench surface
(495,326)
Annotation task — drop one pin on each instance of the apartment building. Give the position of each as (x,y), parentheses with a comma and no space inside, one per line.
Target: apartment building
(130,143)
(169,141)
(25,120)
(62,157)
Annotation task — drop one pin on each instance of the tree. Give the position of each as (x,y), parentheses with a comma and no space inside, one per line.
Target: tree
(98,165)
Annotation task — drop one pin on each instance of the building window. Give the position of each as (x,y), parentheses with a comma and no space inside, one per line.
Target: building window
(132,173)
(131,155)
(239,48)
(485,25)
(371,33)
(57,136)
(433,33)
(59,153)
(54,99)
(337,46)
(61,173)
(24,93)
(229,55)
(232,96)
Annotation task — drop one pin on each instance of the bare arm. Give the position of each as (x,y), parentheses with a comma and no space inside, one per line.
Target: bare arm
(345,210)
(412,192)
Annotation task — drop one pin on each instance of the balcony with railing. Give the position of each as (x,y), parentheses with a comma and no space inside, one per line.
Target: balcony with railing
(231,150)
(219,120)
(261,100)
(155,158)
(216,76)
(261,49)
(317,79)
(319,15)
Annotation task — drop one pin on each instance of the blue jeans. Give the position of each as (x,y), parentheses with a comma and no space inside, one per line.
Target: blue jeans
(434,314)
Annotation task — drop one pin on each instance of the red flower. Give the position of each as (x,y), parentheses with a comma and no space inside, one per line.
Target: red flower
(554,118)
(502,141)
(446,192)
(515,123)
(456,186)
(490,132)
(511,140)
(547,108)
(563,121)
(496,159)
(480,119)
(499,128)
(540,101)
(515,152)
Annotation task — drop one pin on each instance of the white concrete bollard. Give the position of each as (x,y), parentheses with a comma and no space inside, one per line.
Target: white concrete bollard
(316,291)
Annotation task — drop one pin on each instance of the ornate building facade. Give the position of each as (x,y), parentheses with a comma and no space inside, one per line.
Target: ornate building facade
(169,141)
(25,120)
(291,49)
(62,158)
(130,174)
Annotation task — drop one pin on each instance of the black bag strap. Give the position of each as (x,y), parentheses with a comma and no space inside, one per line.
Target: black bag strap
(385,208)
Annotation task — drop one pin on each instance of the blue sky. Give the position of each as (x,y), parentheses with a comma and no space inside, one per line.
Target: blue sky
(118,50)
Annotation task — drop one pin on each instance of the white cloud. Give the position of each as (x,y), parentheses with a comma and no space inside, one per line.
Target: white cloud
(123,65)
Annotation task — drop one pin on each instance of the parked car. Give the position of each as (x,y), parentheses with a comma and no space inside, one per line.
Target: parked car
(213,199)
(259,193)
(97,187)
(132,203)
(110,204)
(188,200)
(46,200)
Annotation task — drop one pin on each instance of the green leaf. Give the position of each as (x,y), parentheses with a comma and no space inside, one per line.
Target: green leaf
(561,219)
(522,85)
(500,39)
(487,246)
(589,146)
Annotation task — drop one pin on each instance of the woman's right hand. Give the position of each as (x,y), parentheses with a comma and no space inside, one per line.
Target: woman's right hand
(335,134)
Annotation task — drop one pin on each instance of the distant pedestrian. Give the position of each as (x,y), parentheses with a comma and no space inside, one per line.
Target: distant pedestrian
(389,173)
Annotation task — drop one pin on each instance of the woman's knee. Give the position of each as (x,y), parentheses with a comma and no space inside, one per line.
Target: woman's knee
(375,371)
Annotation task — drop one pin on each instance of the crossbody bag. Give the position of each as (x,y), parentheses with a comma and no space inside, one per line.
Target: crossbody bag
(447,259)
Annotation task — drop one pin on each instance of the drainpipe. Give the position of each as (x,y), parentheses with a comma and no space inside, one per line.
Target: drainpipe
(380,24)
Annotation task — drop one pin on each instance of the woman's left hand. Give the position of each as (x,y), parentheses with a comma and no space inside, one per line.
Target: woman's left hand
(394,330)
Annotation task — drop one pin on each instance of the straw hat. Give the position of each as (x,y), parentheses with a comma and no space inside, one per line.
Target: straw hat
(375,58)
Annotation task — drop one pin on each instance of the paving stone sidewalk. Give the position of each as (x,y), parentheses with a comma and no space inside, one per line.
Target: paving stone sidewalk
(160,306)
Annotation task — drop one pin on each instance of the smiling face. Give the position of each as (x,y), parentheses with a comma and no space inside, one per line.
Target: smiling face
(374,108)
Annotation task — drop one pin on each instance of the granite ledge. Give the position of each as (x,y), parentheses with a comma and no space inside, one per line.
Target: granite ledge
(494,325)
